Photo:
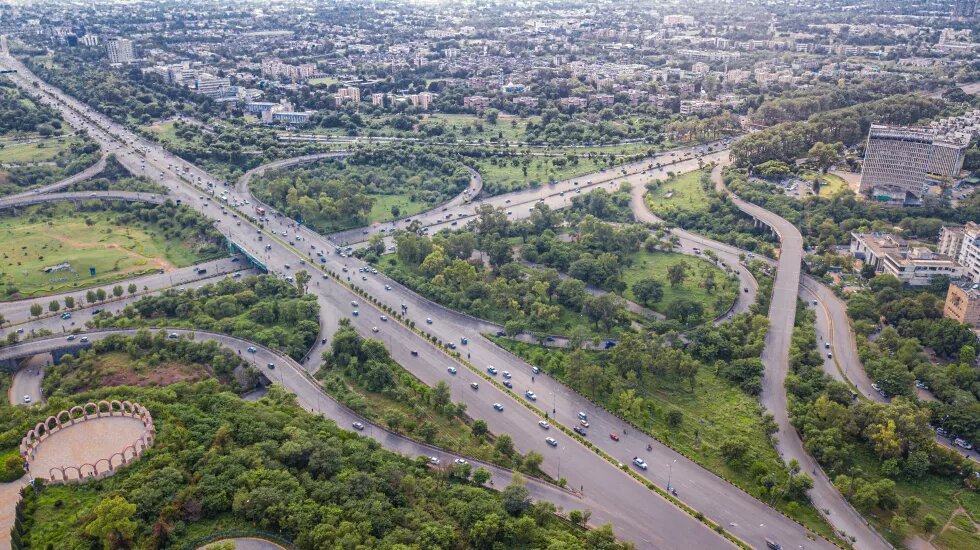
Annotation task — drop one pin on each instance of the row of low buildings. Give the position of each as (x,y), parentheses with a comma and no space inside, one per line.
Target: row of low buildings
(957,257)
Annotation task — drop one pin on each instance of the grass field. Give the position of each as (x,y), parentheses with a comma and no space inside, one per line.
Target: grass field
(646,265)
(714,412)
(27,246)
(323,81)
(830,184)
(683,192)
(503,176)
(507,128)
(381,209)
(39,151)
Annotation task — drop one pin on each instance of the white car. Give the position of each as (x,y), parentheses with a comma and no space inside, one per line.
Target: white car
(544,424)
(27,399)
(551,441)
(639,463)
(374,329)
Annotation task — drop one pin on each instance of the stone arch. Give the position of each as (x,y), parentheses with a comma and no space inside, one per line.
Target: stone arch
(40,430)
(66,469)
(100,461)
(76,409)
(86,470)
(116,406)
(55,479)
(128,407)
(121,461)
(108,407)
(57,423)
(131,449)
(94,406)
(63,422)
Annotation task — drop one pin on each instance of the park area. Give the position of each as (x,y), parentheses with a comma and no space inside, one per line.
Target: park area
(715,297)
(45,150)
(42,255)
(683,192)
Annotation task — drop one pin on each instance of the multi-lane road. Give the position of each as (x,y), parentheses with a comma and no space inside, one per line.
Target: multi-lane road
(663,524)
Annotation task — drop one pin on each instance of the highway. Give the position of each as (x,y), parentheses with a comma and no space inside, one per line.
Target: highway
(775,359)
(309,395)
(617,491)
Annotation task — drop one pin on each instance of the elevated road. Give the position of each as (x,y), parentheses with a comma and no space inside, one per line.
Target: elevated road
(85,174)
(775,359)
(78,196)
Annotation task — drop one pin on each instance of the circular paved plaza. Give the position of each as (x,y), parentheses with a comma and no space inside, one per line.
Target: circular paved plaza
(86,443)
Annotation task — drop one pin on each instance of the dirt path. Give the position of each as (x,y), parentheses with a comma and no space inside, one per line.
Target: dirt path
(9,497)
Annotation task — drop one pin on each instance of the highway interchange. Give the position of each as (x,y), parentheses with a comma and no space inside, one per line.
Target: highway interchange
(659,523)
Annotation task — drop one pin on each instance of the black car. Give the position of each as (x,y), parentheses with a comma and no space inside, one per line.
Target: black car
(579,430)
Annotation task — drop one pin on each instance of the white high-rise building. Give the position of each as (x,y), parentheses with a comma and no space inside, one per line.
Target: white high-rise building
(120,50)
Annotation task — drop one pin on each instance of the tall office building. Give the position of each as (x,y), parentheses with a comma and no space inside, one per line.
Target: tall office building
(120,50)
(898,162)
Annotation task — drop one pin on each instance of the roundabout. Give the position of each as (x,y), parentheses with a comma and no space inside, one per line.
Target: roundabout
(86,442)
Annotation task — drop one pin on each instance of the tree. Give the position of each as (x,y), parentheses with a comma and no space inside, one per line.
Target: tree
(131,288)
(395,210)
(100,294)
(112,522)
(911,506)
(648,291)
(674,418)
(676,274)
(516,498)
(91,297)
(69,302)
(481,476)
(571,293)
(36,310)
(929,523)
(504,445)
(685,310)
(601,307)
(532,462)
(302,280)
(825,155)
(441,395)
(53,306)
(479,429)
(117,291)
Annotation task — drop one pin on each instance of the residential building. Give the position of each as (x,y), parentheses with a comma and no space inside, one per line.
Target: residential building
(700,68)
(699,107)
(912,265)
(120,50)
(603,99)
(899,160)
(963,243)
(347,94)
(577,102)
(291,117)
(963,303)
(678,20)
(90,40)
(378,99)
(425,99)
(476,102)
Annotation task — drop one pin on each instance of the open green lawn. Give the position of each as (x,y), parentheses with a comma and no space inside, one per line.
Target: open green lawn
(503,176)
(830,184)
(28,246)
(655,264)
(711,414)
(39,151)
(962,532)
(683,192)
(322,81)
(381,209)
(507,128)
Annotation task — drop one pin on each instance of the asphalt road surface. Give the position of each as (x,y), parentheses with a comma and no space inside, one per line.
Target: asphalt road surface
(746,517)
(629,522)
(85,174)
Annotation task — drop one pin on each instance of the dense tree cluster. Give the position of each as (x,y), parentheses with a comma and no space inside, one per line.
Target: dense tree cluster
(20,114)
(801,104)
(146,359)
(115,177)
(792,140)
(263,309)
(271,465)
(338,193)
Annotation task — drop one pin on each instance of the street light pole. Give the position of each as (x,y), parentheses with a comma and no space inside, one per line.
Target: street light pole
(670,470)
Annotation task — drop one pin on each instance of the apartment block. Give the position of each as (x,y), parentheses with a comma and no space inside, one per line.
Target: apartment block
(348,94)
(120,50)
(963,304)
